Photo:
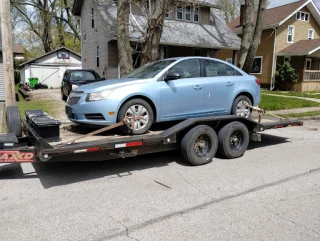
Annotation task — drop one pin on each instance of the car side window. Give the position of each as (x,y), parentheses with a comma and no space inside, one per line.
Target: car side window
(187,69)
(215,68)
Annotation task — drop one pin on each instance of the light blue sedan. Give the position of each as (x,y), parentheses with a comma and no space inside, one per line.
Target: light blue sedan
(166,90)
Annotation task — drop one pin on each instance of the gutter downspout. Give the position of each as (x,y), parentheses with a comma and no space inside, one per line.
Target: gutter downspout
(274,60)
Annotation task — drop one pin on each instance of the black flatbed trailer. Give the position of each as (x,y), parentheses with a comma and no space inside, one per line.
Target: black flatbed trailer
(198,138)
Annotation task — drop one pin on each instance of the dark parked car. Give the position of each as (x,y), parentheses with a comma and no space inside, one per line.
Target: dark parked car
(74,78)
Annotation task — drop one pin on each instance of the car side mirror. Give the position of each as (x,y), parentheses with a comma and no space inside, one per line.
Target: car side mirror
(65,79)
(103,78)
(172,76)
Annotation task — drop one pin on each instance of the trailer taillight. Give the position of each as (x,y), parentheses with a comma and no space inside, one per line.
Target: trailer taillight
(258,82)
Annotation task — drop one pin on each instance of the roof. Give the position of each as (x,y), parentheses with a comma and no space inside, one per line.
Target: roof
(277,16)
(176,33)
(303,47)
(17,49)
(32,60)
(77,4)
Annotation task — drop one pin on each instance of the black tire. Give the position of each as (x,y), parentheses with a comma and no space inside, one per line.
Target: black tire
(241,99)
(63,97)
(126,129)
(198,135)
(233,140)
(13,120)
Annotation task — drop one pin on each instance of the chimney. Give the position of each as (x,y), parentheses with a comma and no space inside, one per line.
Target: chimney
(241,14)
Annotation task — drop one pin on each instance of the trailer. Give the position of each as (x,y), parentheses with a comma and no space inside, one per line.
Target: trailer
(41,138)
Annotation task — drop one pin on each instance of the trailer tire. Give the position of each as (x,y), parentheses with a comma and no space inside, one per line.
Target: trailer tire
(233,140)
(13,120)
(134,105)
(239,108)
(199,145)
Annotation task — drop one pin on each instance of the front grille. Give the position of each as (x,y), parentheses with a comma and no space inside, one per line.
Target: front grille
(77,92)
(73,100)
(95,116)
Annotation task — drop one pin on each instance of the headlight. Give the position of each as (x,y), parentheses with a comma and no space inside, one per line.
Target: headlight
(73,86)
(98,95)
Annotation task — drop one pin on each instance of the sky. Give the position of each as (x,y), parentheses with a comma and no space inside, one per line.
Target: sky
(277,3)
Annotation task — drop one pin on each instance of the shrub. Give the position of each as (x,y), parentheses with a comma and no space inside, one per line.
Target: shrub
(286,73)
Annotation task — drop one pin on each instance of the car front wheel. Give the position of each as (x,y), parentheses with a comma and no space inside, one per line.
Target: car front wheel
(134,108)
(240,107)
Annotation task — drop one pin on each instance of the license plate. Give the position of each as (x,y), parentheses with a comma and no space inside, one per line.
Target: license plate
(68,110)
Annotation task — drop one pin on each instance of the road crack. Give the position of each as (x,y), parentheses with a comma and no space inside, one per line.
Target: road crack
(199,190)
(291,221)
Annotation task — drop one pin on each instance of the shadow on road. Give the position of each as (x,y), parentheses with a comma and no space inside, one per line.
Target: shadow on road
(64,173)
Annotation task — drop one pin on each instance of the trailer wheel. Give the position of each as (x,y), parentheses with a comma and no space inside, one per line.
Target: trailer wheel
(133,108)
(233,140)
(13,120)
(240,108)
(199,145)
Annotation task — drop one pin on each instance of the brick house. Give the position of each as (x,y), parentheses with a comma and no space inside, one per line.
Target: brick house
(291,32)
(189,31)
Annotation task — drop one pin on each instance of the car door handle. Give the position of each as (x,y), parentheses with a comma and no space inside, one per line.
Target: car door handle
(198,87)
(229,84)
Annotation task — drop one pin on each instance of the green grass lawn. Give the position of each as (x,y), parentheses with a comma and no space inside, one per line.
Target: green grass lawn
(303,114)
(280,103)
(311,94)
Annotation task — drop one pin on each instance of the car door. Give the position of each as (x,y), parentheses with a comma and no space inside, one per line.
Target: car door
(220,83)
(183,97)
(65,83)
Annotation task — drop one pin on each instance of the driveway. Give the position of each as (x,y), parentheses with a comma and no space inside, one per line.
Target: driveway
(271,193)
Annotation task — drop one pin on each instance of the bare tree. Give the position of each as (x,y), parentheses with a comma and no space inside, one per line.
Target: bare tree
(45,16)
(251,32)
(124,48)
(230,8)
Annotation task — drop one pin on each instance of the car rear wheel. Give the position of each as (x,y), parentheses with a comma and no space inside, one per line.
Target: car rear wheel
(240,107)
(132,109)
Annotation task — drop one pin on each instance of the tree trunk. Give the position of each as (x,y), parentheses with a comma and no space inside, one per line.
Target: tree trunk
(247,31)
(155,21)
(124,47)
(256,37)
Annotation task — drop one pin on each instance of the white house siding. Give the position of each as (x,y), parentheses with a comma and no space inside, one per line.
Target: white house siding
(96,36)
(2,90)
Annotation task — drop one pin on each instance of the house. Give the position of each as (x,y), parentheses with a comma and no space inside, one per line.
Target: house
(49,68)
(291,32)
(189,30)
(18,52)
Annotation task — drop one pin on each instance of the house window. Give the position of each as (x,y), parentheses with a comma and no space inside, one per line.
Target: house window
(98,61)
(310,34)
(290,34)
(308,64)
(196,52)
(257,65)
(92,18)
(167,15)
(196,15)
(63,54)
(303,16)
(229,60)
(179,13)
(84,37)
(287,59)
(187,13)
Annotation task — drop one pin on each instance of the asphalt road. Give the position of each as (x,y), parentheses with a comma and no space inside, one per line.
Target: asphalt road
(271,193)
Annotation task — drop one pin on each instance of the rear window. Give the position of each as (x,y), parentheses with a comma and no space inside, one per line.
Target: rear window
(82,76)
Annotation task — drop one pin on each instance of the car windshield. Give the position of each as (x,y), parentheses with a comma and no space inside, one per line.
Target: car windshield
(83,76)
(149,70)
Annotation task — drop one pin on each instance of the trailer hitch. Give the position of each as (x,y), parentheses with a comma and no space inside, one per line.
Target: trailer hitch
(126,121)
(258,109)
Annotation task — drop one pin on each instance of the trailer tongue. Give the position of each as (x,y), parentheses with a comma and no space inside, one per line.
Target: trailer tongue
(199,139)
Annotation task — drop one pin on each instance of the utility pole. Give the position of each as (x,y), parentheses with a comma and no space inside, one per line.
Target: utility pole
(7,52)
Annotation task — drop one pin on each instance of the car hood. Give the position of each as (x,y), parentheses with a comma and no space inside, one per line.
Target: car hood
(83,82)
(110,84)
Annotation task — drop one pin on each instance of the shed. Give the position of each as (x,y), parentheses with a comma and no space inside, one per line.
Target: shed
(49,68)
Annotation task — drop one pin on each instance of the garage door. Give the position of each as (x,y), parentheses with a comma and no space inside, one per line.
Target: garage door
(47,75)
(2,91)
